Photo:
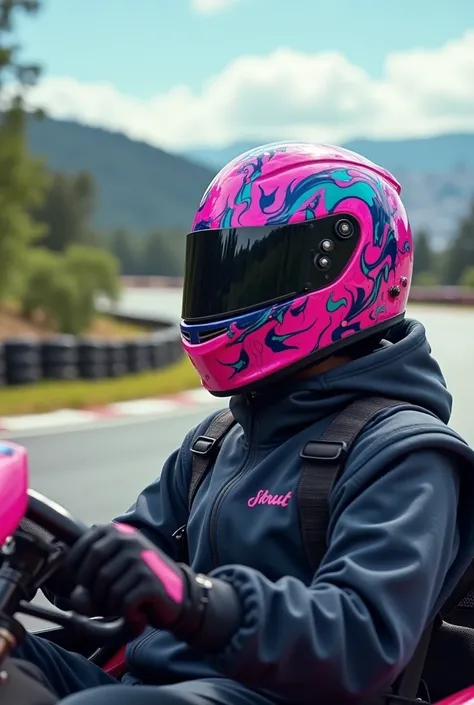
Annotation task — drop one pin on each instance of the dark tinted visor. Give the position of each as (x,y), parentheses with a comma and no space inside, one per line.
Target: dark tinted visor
(235,270)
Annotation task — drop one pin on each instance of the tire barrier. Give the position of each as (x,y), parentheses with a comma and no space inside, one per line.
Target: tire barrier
(28,360)
(22,361)
(116,355)
(138,355)
(59,358)
(92,359)
(2,365)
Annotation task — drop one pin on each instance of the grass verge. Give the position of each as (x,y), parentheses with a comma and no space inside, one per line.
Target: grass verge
(109,328)
(103,327)
(83,394)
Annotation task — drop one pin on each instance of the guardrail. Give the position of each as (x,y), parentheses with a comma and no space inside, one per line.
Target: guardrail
(459,295)
(456,295)
(142,282)
(27,360)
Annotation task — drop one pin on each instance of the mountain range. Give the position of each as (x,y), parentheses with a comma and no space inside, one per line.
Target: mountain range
(430,154)
(142,187)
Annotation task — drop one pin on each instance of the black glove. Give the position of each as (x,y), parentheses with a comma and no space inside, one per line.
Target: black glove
(119,572)
(58,587)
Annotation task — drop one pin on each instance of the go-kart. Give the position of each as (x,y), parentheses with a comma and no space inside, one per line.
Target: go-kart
(35,535)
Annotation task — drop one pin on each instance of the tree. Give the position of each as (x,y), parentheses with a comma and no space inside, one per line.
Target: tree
(467,278)
(51,292)
(22,178)
(97,274)
(423,262)
(461,253)
(426,279)
(125,250)
(14,72)
(22,182)
(64,286)
(66,210)
(157,258)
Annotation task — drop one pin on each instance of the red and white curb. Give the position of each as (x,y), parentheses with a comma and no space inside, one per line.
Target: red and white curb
(175,405)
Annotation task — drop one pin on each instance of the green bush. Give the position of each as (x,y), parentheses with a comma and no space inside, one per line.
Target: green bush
(467,278)
(64,286)
(425,279)
(96,272)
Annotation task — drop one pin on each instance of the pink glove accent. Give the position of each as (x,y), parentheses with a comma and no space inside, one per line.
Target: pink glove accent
(171,581)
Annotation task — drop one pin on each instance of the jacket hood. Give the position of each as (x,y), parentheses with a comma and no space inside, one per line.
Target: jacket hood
(401,368)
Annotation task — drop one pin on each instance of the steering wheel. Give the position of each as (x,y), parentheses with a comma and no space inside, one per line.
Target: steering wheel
(54,519)
(49,524)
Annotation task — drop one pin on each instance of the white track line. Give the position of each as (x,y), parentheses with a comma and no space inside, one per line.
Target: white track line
(113,415)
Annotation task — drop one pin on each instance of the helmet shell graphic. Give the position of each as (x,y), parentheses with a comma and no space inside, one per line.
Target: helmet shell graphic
(288,183)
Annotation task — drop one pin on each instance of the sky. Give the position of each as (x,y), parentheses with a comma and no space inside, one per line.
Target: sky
(189,73)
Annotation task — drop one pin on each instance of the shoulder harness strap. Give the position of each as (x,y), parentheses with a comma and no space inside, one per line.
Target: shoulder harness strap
(323,462)
(205,448)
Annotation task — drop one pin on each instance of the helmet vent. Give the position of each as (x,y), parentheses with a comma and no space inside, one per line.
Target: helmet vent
(206,335)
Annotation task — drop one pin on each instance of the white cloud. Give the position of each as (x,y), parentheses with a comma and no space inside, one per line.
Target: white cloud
(209,7)
(287,95)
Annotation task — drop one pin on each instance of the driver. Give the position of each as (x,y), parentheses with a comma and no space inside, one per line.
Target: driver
(298,271)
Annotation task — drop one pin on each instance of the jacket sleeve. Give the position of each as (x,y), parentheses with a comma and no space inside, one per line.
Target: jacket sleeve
(160,509)
(351,632)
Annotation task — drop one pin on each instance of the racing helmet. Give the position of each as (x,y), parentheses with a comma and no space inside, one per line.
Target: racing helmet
(296,252)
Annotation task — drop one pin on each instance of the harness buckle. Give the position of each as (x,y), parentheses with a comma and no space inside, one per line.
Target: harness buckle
(324,451)
(203,445)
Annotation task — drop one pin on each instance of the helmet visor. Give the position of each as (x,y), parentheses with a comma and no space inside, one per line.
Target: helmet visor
(233,270)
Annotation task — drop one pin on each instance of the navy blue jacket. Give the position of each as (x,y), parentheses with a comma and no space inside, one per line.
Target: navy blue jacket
(399,537)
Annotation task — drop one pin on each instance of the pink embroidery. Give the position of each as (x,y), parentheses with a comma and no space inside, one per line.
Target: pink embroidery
(264,497)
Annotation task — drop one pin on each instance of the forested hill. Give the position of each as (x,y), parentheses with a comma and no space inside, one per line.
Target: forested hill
(140,187)
(143,188)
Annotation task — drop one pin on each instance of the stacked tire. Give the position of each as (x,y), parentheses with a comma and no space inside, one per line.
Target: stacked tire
(2,365)
(26,360)
(157,354)
(138,355)
(59,358)
(116,354)
(92,359)
(22,361)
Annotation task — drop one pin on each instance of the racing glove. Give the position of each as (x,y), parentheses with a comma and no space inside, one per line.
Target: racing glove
(119,572)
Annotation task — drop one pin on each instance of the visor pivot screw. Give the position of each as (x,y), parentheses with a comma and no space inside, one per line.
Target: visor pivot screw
(344,229)
(394,291)
(323,262)
(327,245)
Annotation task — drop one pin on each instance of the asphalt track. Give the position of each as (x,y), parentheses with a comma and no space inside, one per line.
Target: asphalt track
(97,471)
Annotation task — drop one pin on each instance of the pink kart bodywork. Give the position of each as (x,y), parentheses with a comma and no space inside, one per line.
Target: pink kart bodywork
(464,697)
(14,502)
(13,506)
(13,488)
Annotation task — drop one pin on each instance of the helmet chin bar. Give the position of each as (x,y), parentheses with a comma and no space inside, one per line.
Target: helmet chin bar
(338,348)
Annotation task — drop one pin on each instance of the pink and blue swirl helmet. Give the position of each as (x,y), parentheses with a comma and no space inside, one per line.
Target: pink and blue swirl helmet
(296,251)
